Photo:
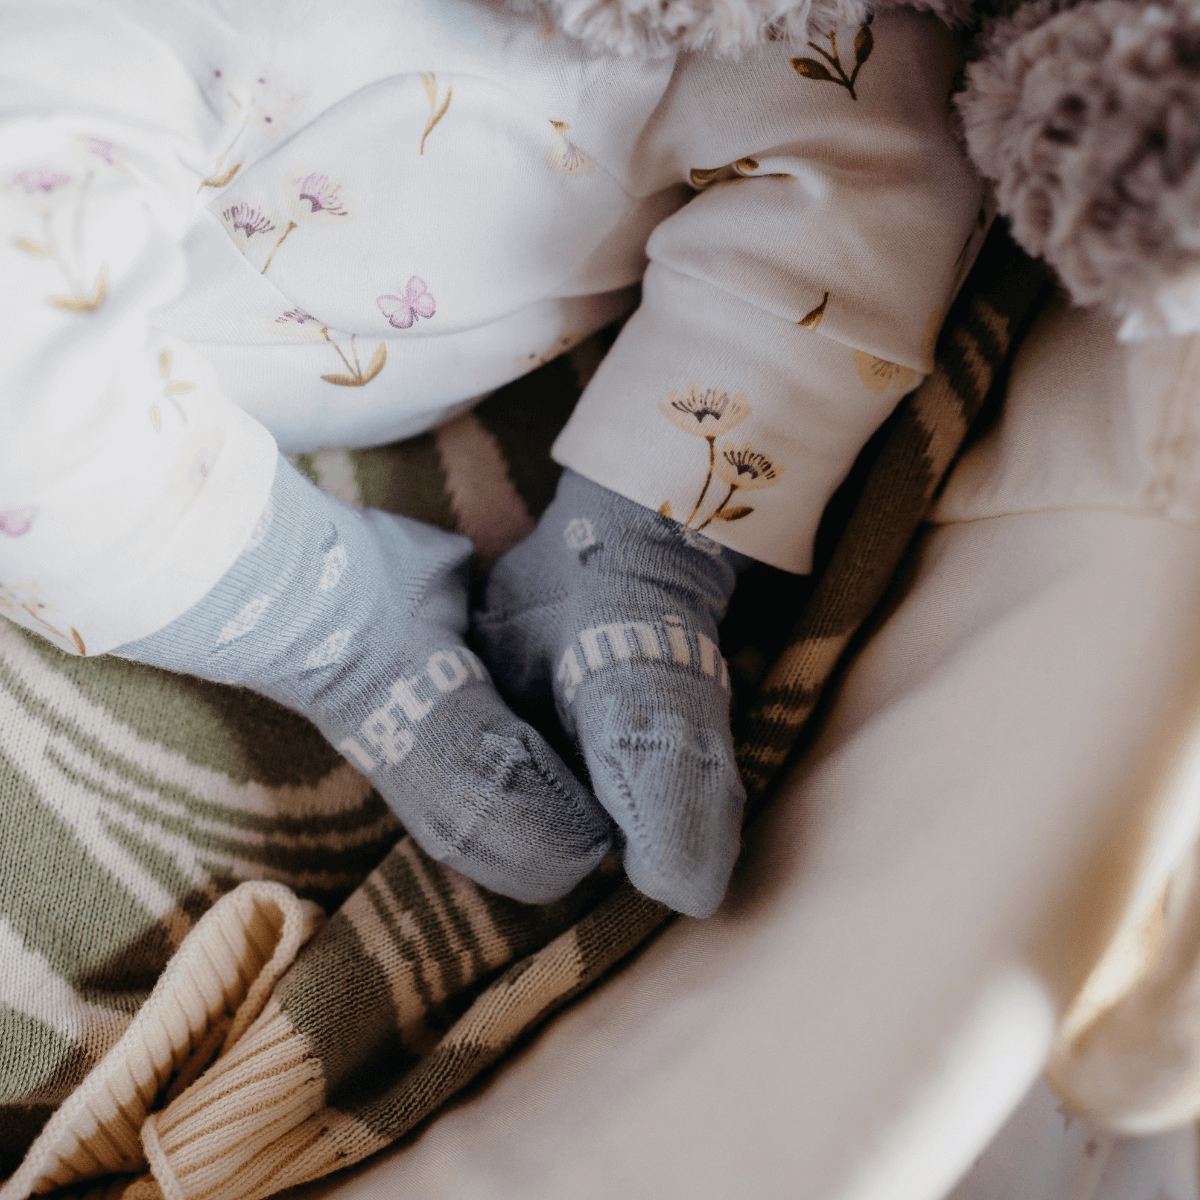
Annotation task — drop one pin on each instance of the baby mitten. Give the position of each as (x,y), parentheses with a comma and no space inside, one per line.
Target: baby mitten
(614,609)
(355,619)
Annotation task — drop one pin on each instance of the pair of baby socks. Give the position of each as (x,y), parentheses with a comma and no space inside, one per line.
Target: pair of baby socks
(357,619)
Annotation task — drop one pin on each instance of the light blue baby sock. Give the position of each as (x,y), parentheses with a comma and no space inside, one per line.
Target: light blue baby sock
(614,609)
(355,619)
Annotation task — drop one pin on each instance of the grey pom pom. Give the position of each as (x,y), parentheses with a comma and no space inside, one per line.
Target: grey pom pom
(1087,117)
(654,28)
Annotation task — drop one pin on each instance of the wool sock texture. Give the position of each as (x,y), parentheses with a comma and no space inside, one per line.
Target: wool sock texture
(613,609)
(355,618)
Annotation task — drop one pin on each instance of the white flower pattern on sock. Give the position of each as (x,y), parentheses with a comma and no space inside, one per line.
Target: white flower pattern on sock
(329,651)
(245,621)
(335,564)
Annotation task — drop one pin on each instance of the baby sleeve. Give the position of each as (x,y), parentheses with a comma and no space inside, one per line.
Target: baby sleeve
(789,305)
(128,482)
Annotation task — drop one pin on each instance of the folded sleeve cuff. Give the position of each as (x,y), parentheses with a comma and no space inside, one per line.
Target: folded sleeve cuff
(733,420)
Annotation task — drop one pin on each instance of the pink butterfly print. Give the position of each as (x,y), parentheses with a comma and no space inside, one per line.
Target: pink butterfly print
(402,311)
(16,521)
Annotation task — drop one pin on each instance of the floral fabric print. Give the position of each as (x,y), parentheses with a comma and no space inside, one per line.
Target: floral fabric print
(565,157)
(310,197)
(436,110)
(834,72)
(709,413)
(880,375)
(258,108)
(746,469)
(46,182)
(45,189)
(172,390)
(16,522)
(242,218)
(355,374)
(296,316)
(705,412)
(23,603)
(315,198)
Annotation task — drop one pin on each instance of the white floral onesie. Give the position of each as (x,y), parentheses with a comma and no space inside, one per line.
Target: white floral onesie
(233,227)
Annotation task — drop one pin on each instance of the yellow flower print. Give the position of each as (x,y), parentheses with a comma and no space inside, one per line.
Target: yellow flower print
(355,375)
(744,469)
(880,375)
(258,107)
(172,390)
(747,469)
(565,157)
(300,325)
(706,413)
(22,602)
(45,189)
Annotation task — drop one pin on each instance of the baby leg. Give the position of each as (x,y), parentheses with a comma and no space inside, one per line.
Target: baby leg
(614,609)
(356,619)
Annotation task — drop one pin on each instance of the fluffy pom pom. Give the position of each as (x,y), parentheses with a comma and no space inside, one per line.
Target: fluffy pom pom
(1087,117)
(655,28)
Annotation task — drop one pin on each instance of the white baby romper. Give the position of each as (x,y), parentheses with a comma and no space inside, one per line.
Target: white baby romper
(229,228)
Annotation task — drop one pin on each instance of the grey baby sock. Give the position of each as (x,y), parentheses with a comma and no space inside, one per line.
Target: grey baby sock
(355,619)
(614,609)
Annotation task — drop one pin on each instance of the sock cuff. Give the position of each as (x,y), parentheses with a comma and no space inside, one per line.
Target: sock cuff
(302,543)
(648,539)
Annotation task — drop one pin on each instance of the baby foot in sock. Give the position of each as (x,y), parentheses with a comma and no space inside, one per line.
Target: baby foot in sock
(613,609)
(355,619)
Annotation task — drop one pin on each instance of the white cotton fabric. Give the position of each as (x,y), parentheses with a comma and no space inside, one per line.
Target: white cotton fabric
(229,228)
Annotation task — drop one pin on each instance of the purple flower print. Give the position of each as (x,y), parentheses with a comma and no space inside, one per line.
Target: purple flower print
(17,521)
(70,260)
(313,198)
(402,311)
(295,315)
(250,221)
(565,157)
(322,195)
(32,182)
(101,149)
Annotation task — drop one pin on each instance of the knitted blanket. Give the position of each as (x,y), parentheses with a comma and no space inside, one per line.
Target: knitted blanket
(178,1016)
